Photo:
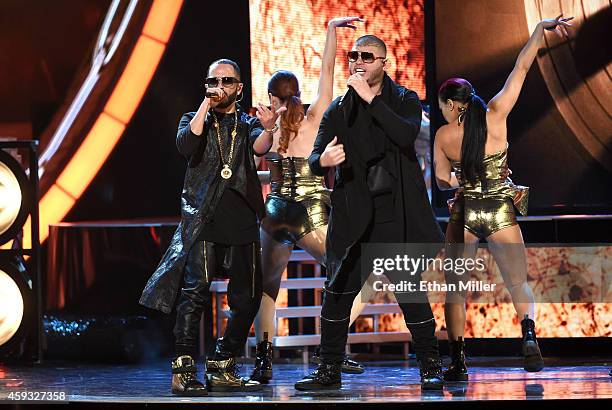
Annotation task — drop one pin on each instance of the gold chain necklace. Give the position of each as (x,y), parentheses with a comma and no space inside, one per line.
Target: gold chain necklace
(226,171)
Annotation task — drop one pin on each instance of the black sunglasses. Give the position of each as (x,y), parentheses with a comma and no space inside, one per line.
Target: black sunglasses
(366,56)
(225,81)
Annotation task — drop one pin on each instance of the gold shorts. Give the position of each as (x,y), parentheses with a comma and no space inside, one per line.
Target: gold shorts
(483,216)
(289,221)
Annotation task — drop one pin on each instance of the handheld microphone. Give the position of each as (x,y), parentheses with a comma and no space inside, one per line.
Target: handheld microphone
(210,94)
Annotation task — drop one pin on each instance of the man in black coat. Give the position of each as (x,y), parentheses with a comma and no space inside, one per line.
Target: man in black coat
(379,196)
(221,206)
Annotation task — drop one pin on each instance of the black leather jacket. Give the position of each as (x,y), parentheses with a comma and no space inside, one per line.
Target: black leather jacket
(202,191)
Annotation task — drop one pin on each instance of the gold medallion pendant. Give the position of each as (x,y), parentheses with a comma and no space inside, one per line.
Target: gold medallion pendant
(226,172)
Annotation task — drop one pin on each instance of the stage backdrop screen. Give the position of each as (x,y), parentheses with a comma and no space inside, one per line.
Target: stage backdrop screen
(291,36)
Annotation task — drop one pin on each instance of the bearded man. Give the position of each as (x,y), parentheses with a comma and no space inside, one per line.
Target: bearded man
(221,206)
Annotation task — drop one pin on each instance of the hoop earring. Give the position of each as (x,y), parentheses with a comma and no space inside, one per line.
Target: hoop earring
(461,111)
(241,97)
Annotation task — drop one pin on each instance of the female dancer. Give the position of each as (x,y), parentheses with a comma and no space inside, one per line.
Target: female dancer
(296,208)
(474,145)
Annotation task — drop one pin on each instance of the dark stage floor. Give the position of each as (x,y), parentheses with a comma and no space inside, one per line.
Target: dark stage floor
(491,379)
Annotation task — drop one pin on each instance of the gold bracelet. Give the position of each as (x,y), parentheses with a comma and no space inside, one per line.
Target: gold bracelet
(272,130)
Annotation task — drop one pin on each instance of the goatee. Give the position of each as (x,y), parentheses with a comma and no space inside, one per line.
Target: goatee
(231,98)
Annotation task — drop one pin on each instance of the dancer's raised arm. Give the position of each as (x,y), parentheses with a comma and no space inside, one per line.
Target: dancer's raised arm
(504,101)
(325,90)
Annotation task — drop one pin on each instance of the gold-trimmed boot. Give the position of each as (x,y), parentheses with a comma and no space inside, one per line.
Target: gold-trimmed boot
(184,378)
(223,376)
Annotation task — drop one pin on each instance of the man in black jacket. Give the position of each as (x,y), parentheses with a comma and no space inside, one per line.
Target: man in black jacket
(221,205)
(379,197)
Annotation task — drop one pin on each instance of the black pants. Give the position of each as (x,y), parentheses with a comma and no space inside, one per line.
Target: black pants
(339,294)
(242,264)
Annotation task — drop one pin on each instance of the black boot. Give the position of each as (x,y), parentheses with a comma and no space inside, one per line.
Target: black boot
(431,373)
(348,366)
(262,372)
(223,376)
(351,366)
(457,370)
(325,377)
(427,353)
(184,380)
(532,358)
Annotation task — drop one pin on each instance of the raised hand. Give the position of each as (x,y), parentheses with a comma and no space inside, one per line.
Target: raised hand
(558,25)
(268,117)
(503,102)
(333,154)
(344,22)
(218,94)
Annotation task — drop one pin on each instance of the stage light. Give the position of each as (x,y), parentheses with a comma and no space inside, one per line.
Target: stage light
(10,198)
(20,296)
(13,212)
(11,307)
(17,310)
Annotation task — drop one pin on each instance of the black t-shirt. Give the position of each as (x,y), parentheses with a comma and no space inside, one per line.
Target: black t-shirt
(234,222)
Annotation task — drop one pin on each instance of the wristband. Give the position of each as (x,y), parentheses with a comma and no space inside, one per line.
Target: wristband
(272,130)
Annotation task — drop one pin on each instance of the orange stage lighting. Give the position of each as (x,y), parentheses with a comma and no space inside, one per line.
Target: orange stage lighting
(109,127)
(90,156)
(135,79)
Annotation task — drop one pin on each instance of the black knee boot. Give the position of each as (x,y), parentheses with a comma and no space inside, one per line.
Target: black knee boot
(262,372)
(532,357)
(457,370)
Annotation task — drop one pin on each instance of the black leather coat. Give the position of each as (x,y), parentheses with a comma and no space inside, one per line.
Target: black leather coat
(202,191)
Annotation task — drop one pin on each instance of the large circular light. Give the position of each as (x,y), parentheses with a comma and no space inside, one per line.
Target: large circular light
(13,209)
(10,198)
(11,307)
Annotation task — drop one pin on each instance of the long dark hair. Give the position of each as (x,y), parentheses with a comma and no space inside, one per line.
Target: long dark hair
(474,128)
(284,85)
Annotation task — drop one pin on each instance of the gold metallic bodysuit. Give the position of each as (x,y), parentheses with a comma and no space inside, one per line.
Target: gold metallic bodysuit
(488,206)
(298,203)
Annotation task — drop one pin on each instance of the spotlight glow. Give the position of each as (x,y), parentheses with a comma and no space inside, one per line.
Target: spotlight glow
(11,307)
(10,198)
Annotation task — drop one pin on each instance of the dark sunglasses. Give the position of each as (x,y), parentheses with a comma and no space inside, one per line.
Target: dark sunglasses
(225,81)
(366,56)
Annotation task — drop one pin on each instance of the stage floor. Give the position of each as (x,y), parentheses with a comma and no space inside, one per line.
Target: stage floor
(491,379)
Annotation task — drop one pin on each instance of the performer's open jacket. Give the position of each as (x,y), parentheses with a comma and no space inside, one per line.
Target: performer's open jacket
(383,133)
(202,191)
